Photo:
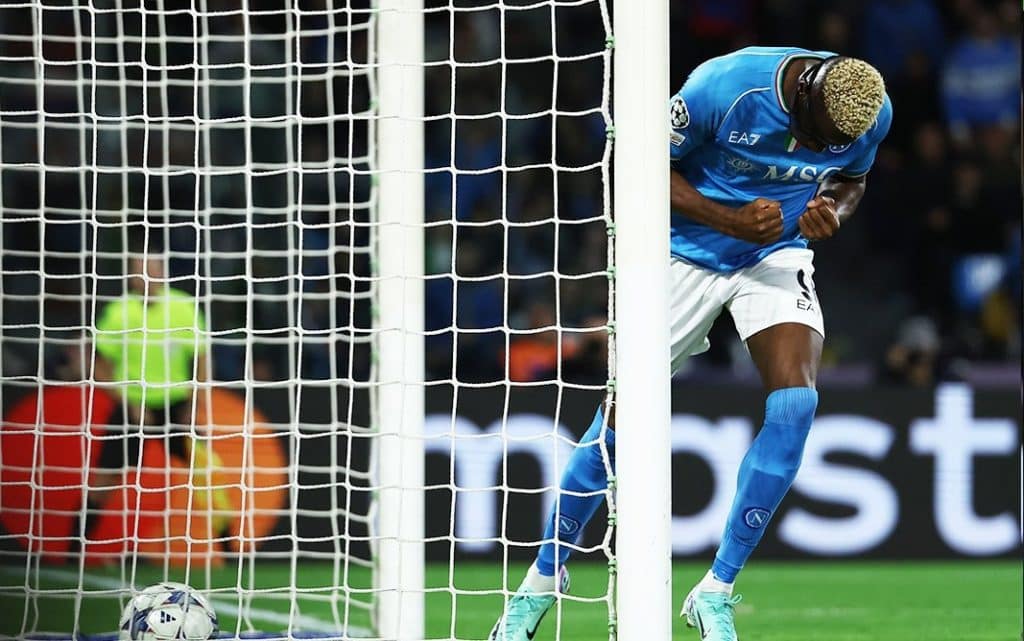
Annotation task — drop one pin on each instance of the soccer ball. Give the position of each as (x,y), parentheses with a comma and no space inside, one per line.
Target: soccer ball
(167,612)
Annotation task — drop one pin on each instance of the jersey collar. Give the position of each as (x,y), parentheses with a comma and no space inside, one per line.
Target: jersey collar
(780,75)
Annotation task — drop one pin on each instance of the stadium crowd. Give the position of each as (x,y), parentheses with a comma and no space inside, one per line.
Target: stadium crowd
(925,279)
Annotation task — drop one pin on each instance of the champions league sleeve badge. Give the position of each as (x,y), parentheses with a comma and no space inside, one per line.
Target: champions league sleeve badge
(679,114)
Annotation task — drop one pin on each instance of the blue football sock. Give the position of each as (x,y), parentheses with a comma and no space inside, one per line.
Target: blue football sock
(765,475)
(584,473)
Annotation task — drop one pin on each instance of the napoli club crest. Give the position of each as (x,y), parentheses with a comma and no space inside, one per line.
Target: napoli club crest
(756,517)
(567,525)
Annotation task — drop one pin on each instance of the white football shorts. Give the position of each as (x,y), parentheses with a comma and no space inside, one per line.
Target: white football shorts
(779,289)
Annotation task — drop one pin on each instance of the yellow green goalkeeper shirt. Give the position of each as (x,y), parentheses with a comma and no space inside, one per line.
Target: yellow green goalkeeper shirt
(153,344)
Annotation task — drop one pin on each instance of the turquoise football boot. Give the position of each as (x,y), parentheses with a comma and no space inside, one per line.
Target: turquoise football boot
(712,614)
(525,610)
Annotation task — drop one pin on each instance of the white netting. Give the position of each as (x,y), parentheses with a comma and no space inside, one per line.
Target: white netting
(230,144)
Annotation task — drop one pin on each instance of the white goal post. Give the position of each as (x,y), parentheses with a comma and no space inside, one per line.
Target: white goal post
(642,370)
(284,183)
(400,406)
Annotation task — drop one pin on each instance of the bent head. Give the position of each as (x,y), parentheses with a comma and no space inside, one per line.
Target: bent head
(145,269)
(836,101)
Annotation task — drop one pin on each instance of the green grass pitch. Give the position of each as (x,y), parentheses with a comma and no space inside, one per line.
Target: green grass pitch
(797,601)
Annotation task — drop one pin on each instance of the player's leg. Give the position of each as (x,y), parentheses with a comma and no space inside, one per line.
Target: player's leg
(787,357)
(695,303)
(696,300)
(777,313)
(581,492)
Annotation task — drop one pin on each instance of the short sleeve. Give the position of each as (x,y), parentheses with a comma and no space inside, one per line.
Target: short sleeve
(694,112)
(861,165)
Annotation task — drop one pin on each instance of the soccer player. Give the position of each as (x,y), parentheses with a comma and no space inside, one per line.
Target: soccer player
(149,342)
(153,335)
(769,149)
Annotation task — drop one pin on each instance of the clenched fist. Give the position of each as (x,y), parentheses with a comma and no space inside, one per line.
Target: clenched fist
(758,222)
(820,220)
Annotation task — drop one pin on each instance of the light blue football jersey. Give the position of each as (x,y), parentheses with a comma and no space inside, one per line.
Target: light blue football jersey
(730,138)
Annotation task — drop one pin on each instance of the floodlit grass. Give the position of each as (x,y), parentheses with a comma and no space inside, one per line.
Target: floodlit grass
(804,601)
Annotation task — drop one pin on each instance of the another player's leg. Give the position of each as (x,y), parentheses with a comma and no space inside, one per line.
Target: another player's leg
(581,492)
(787,357)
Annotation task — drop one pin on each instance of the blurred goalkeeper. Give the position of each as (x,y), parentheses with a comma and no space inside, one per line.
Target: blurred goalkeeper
(769,148)
(153,346)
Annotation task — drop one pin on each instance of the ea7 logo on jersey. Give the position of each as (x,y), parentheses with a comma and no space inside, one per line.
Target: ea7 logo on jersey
(678,113)
(743,138)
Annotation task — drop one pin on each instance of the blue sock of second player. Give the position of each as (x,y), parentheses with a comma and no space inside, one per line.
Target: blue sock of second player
(767,471)
(584,474)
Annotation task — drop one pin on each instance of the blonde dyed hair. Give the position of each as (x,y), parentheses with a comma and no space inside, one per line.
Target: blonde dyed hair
(853,92)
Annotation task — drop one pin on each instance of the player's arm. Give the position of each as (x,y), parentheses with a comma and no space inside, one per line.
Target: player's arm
(695,114)
(840,193)
(758,222)
(834,203)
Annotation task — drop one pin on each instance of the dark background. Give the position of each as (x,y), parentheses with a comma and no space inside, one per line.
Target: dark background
(256,190)
(922,285)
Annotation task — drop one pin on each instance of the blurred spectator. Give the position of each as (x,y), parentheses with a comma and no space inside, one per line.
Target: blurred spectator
(914,358)
(589,362)
(999,319)
(1001,186)
(905,40)
(981,79)
(896,33)
(924,193)
(712,28)
(833,32)
(986,198)
(536,355)
(721,24)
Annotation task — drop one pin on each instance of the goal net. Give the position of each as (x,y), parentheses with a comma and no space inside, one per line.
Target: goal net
(247,247)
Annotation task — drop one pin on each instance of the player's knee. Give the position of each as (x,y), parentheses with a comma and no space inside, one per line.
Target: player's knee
(792,373)
(788,416)
(793,406)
